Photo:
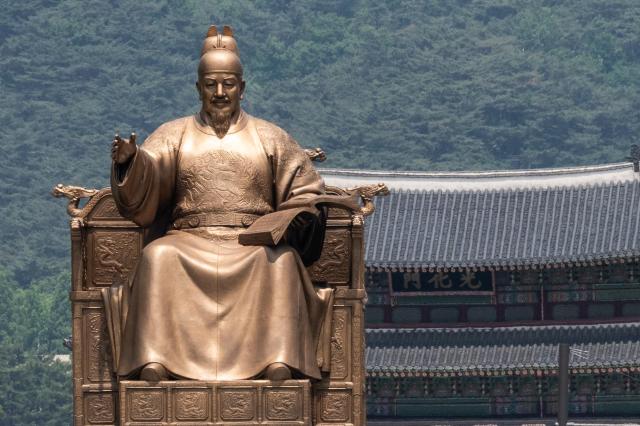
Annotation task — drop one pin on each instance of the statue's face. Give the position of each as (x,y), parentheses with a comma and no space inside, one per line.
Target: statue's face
(220,93)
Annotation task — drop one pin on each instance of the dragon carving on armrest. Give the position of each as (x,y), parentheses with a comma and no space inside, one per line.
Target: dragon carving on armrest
(74,194)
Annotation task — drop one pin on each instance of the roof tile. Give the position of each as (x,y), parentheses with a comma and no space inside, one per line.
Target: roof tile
(458,349)
(536,226)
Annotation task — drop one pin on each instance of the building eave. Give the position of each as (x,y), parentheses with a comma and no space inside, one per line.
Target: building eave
(483,180)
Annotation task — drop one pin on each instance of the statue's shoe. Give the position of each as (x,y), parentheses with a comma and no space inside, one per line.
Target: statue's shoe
(277,371)
(154,372)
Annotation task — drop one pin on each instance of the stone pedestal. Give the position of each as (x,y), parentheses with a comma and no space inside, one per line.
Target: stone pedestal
(245,402)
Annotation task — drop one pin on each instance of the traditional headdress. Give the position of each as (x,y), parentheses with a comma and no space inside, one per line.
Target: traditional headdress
(220,52)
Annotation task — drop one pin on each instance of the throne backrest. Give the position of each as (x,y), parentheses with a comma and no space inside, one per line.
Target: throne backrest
(105,250)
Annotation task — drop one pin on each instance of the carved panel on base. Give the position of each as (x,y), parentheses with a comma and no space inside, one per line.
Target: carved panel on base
(191,404)
(99,408)
(282,405)
(246,402)
(237,404)
(146,405)
(335,406)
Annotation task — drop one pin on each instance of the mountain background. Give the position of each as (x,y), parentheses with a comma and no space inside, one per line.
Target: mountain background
(399,84)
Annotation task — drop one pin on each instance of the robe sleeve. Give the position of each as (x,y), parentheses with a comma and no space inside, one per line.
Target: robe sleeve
(143,189)
(295,177)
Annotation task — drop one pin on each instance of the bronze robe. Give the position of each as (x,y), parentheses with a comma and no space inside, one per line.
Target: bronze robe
(201,304)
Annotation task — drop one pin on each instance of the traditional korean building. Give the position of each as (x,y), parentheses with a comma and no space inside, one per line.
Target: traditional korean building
(474,278)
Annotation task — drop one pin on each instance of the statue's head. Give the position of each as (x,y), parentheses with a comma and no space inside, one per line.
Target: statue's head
(220,84)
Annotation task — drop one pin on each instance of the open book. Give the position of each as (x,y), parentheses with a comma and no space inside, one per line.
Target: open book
(270,228)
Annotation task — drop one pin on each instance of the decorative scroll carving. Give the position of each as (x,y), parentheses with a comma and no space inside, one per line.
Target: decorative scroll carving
(237,405)
(339,345)
(357,361)
(99,408)
(335,407)
(114,256)
(98,351)
(146,405)
(191,405)
(282,405)
(106,209)
(334,264)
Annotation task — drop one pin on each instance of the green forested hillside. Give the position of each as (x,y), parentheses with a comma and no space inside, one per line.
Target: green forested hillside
(395,84)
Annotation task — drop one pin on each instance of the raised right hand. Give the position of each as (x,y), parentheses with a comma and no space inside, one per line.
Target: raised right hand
(123,150)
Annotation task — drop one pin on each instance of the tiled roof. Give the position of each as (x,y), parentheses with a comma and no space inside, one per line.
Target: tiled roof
(524,350)
(502,219)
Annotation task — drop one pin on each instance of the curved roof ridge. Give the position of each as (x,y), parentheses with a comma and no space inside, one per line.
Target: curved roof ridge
(615,181)
(505,329)
(409,352)
(480,173)
(583,176)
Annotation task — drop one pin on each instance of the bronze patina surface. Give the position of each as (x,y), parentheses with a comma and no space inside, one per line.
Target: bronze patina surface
(201,305)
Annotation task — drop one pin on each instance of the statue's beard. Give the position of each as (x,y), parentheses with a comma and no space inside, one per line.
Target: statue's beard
(220,121)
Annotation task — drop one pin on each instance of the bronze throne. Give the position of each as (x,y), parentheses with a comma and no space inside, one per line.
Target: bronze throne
(104,250)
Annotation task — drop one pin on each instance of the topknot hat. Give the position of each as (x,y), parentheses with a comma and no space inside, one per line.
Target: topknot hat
(220,52)
(215,40)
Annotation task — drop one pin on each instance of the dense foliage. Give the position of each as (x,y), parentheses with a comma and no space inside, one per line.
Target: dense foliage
(399,84)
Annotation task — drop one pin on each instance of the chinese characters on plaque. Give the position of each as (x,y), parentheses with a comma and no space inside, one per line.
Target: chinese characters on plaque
(442,282)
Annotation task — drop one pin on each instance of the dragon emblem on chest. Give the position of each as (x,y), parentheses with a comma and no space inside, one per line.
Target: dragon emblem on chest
(220,181)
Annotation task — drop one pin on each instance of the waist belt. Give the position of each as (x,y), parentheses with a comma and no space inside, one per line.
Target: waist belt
(215,219)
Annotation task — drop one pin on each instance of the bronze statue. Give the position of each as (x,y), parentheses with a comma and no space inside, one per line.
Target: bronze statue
(200,305)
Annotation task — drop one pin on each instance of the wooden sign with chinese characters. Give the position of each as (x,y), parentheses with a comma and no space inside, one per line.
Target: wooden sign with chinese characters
(444,283)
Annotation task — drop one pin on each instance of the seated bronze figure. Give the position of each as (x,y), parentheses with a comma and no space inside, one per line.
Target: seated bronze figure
(202,306)
(175,321)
